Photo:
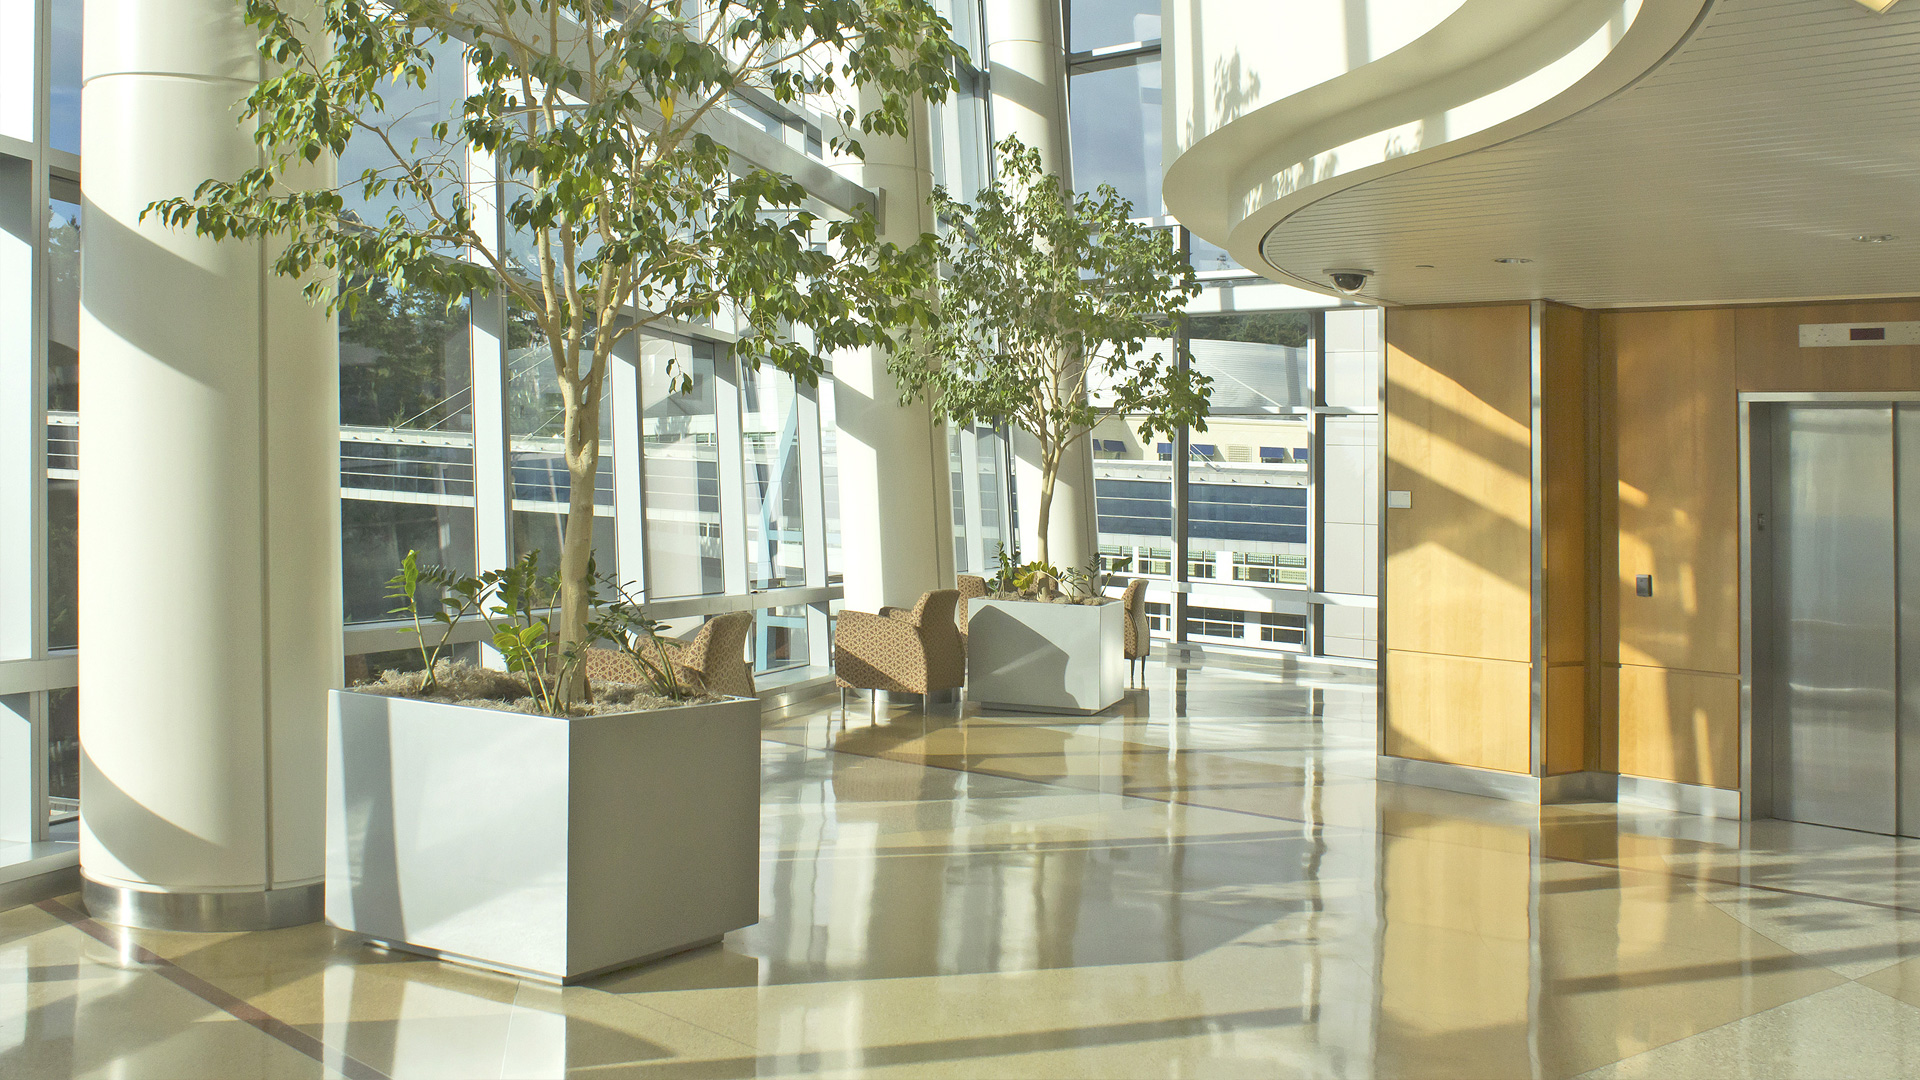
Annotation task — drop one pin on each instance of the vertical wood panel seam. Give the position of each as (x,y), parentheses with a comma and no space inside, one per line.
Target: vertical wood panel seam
(1537,630)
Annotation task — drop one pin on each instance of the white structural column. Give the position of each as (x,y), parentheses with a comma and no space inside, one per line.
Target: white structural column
(896,506)
(209,520)
(1027,71)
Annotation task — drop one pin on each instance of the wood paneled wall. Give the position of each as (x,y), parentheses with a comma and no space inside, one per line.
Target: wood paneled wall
(1676,451)
(1460,559)
(1640,472)
(1677,497)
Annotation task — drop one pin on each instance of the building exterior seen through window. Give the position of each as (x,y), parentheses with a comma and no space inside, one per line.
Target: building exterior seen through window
(1278,495)
(40,229)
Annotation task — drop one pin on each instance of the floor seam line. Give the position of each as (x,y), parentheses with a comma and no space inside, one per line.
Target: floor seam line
(224,1000)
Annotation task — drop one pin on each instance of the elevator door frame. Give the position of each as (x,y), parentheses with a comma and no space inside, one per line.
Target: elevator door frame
(1757,411)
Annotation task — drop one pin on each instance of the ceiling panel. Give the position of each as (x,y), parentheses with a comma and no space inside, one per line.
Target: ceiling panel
(1741,169)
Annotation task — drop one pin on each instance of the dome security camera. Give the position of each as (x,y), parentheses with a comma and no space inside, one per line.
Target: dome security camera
(1347,280)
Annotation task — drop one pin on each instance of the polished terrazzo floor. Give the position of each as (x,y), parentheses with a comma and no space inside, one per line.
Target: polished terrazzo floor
(1207,882)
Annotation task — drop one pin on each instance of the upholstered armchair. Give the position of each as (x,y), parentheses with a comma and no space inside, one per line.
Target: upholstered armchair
(714,659)
(900,651)
(970,588)
(1136,641)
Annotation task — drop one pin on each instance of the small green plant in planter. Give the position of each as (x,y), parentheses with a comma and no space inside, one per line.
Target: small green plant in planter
(1039,580)
(1088,584)
(625,624)
(514,602)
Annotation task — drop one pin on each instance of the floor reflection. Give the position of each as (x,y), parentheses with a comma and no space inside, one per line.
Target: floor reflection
(1206,881)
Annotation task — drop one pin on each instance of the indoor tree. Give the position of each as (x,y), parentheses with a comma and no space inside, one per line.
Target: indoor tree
(620,209)
(1046,305)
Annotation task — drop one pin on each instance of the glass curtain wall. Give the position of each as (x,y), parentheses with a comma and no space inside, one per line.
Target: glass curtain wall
(1262,531)
(977,457)
(541,486)
(445,437)
(680,452)
(406,394)
(40,223)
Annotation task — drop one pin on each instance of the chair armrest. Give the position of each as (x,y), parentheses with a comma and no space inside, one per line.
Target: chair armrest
(691,650)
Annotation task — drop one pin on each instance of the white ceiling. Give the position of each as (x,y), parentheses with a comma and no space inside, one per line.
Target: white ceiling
(1739,169)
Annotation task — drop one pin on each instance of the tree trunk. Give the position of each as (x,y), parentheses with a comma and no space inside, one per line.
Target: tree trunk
(582,443)
(1049,470)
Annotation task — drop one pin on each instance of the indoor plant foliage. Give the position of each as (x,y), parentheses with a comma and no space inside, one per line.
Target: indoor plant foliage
(1046,303)
(620,210)
(1042,581)
(513,602)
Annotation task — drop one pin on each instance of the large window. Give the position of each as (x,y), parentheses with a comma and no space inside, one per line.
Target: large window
(63,419)
(1104,24)
(406,446)
(680,428)
(40,227)
(716,488)
(770,430)
(1113,49)
(977,462)
(1279,491)
(406,386)
(1119,143)
(542,485)
(1262,527)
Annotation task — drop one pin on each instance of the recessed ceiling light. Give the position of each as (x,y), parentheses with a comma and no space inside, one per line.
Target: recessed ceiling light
(1874,238)
(1880,5)
(1510,260)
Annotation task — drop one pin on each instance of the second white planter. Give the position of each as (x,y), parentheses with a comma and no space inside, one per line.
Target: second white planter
(1037,657)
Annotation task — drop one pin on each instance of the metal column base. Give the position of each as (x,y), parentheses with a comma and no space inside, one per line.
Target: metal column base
(204,912)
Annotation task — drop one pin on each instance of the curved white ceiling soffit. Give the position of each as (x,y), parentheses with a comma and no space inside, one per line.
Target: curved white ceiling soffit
(1489,71)
(1774,156)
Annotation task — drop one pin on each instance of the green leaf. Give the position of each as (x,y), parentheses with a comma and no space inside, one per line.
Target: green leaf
(636,219)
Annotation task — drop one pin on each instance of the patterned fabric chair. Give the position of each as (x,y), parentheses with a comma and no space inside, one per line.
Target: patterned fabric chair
(899,651)
(969,588)
(714,659)
(1136,642)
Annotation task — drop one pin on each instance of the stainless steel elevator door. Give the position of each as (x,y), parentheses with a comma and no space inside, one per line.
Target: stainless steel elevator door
(1835,740)
(1906,506)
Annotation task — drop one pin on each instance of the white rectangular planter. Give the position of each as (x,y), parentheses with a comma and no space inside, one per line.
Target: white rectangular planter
(545,847)
(1040,657)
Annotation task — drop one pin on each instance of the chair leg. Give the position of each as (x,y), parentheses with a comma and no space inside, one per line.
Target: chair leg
(873,709)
